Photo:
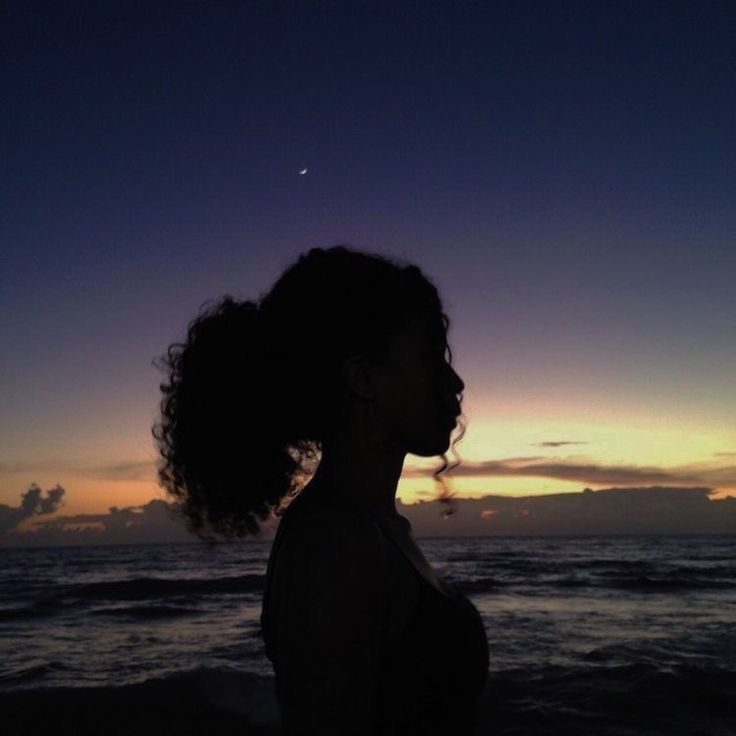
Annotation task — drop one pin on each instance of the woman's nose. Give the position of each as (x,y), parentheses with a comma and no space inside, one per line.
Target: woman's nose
(458,385)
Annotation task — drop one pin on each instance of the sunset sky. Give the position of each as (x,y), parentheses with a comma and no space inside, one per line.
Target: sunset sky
(563,171)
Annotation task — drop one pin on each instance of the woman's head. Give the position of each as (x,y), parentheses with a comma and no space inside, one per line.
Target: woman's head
(257,390)
(416,398)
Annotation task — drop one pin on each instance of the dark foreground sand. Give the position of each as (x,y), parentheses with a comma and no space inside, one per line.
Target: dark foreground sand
(112,716)
(186,706)
(633,700)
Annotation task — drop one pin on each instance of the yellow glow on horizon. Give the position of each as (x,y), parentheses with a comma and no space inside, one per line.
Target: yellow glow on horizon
(415,489)
(634,441)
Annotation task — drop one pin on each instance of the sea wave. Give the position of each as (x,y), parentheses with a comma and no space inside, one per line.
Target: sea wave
(614,581)
(639,699)
(632,700)
(139,588)
(146,613)
(146,588)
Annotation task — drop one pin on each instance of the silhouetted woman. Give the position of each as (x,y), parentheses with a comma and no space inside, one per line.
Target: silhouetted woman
(343,361)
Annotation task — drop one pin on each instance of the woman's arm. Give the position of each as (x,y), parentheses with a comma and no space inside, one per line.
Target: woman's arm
(330,631)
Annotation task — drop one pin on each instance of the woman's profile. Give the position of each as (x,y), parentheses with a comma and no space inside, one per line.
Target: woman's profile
(343,366)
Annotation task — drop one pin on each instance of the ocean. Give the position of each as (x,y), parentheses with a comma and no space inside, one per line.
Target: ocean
(624,636)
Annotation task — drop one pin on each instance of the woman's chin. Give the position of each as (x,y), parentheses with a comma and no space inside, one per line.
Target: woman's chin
(437,445)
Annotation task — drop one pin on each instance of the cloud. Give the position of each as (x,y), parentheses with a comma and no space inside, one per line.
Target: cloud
(33,503)
(121,470)
(638,510)
(128,470)
(155,521)
(643,510)
(597,474)
(15,468)
(557,443)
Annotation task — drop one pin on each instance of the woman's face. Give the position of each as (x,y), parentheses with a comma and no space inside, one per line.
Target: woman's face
(417,391)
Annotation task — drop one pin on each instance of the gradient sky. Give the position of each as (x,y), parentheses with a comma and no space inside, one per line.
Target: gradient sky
(563,171)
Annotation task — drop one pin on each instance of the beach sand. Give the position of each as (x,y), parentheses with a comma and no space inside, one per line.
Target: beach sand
(632,700)
(197,704)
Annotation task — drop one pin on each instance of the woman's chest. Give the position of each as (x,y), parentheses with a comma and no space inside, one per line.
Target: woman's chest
(409,579)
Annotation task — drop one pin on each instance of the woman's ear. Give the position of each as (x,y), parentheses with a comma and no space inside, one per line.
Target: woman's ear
(360,377)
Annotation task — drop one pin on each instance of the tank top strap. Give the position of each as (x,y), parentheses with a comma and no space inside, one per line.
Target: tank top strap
(385,561)
(445,591)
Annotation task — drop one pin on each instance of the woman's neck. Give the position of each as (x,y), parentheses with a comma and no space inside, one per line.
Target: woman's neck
(362,477)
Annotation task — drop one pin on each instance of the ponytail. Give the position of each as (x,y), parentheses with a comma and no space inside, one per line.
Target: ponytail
(222,457)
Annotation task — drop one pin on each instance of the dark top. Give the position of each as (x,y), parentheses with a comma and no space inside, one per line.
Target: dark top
(427,677)
(435,670)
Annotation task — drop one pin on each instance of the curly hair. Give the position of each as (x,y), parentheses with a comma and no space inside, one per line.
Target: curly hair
(253,391)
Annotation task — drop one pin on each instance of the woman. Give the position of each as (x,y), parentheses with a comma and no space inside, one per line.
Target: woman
(345,359)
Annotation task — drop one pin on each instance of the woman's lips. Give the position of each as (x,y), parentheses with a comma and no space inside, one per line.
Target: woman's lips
(451,417)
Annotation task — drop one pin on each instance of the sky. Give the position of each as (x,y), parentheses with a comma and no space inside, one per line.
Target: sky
(562,171)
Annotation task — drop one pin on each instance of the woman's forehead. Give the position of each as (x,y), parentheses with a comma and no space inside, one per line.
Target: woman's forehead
(419,332)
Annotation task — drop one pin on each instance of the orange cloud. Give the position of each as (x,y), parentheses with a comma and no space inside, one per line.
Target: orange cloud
(596,474)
